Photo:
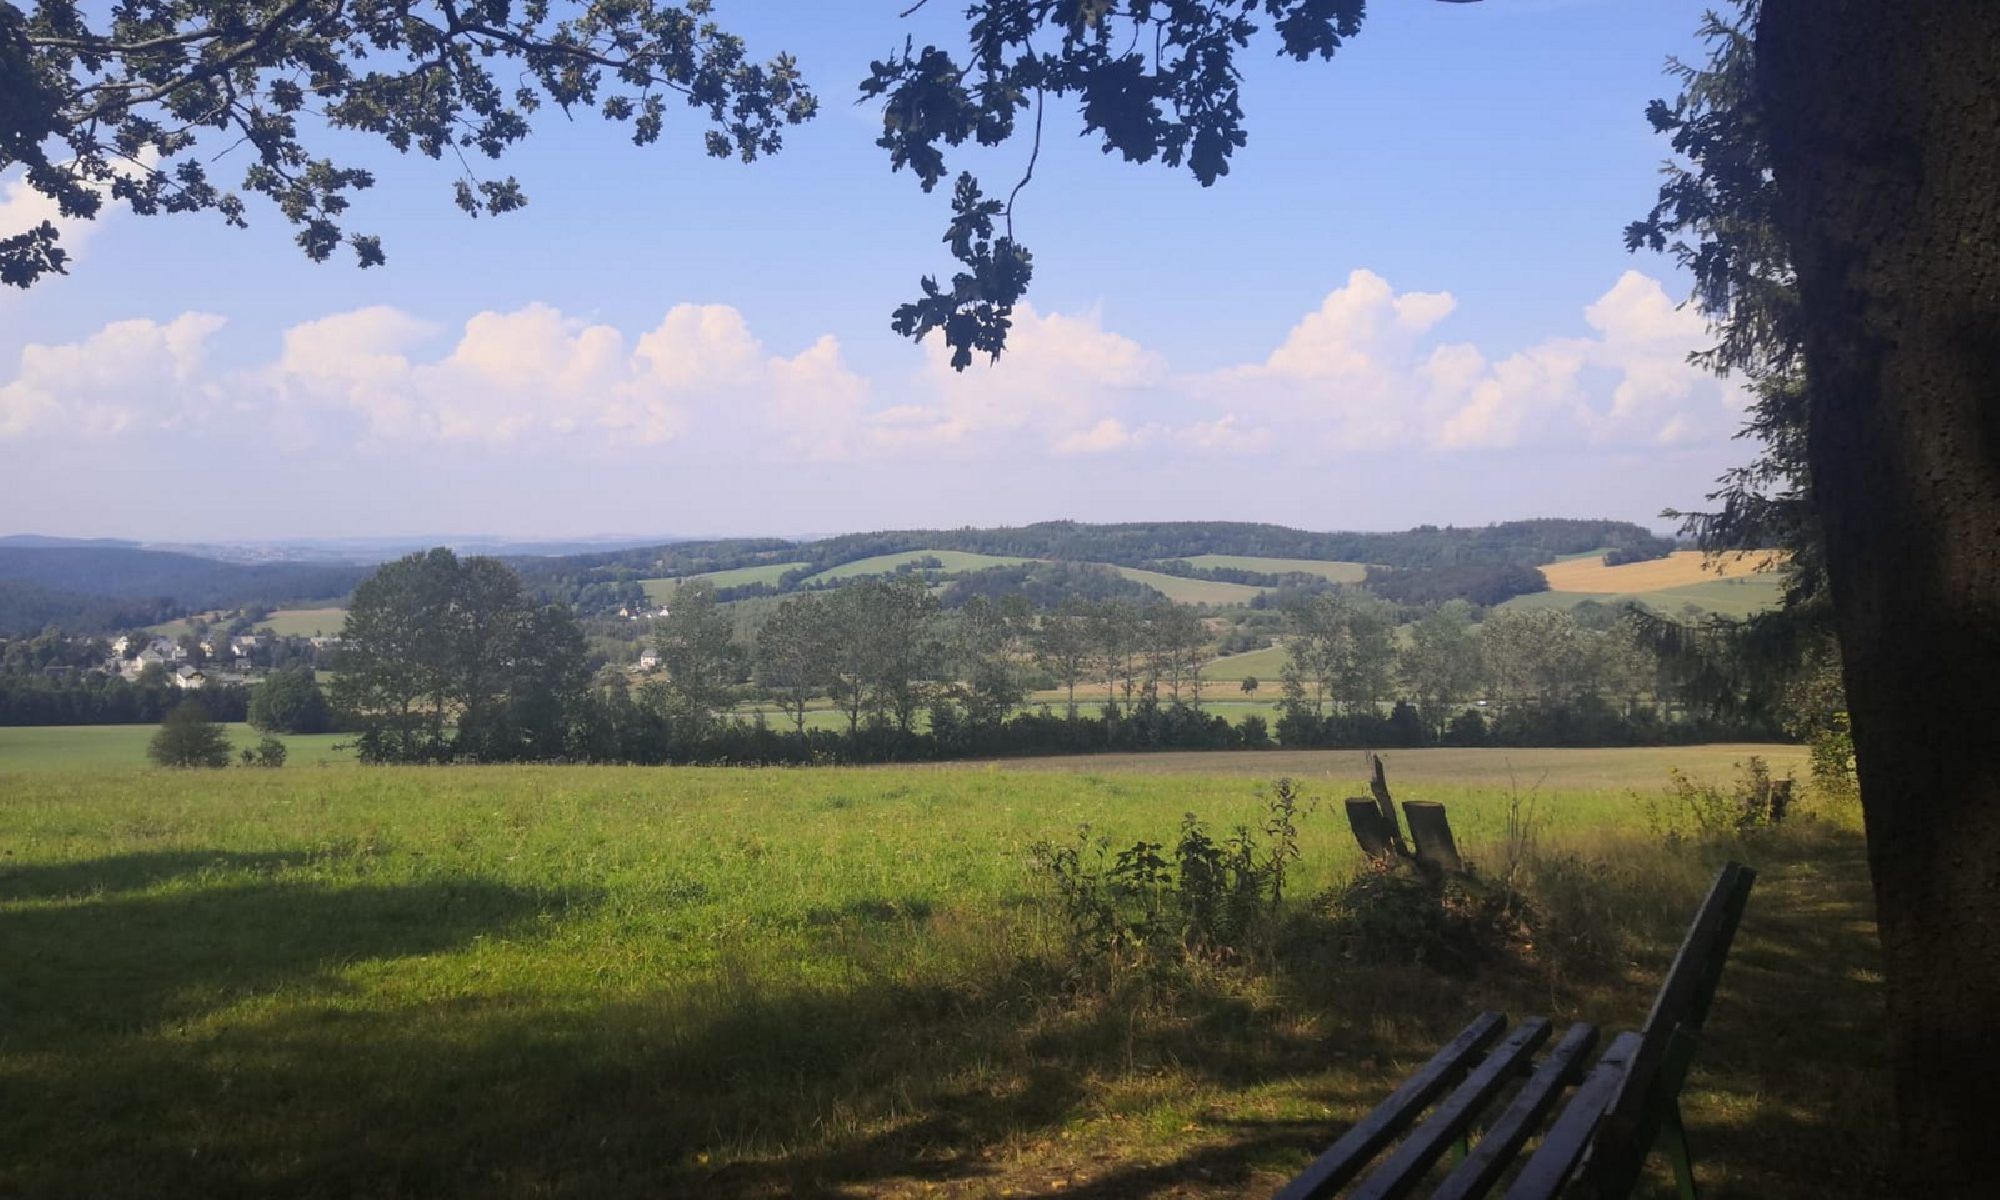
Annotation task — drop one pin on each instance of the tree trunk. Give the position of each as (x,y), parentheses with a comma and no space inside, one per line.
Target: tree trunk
(1885,136)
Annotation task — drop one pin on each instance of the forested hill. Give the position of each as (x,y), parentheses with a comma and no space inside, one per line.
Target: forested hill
(1527,543)
(81,587)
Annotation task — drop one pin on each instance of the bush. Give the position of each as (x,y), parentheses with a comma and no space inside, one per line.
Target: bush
(1396,912)
(1211,897)
(270,752)
(187,738)
(1692,811)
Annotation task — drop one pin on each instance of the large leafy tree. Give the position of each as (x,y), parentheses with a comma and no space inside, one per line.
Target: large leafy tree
(132,103)
(445,658)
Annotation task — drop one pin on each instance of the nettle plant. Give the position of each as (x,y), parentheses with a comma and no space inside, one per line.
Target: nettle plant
(1206,895)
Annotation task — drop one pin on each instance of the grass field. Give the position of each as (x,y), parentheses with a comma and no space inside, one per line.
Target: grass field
(1737,597)
(1191,591)
(610,982)
(306,622)
(1338,572)
(1683,568)
(89,747)
(659,591)
(1266,665)
(884,564)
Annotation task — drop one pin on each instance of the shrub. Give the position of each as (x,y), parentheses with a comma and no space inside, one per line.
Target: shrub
(1703,812)
(1393,911)
(1832,749)
(1211,896)
(270,752)
(187,738)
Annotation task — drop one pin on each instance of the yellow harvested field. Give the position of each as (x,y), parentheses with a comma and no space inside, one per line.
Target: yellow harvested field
(1679,569)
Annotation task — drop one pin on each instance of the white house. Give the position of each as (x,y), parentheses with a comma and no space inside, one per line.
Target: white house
(650,660)
(189,678)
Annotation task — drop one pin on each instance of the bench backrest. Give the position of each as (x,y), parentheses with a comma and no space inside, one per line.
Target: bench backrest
(1672,1030)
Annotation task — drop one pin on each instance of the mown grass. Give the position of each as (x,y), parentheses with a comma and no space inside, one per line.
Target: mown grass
(659,591)
(1182,590)
(86,747)
(1336,571)
(884,564)
(610,982)
(1682,568)
(1738,597)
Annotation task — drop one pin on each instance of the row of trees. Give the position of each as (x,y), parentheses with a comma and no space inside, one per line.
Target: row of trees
(450,660)
(1344,656)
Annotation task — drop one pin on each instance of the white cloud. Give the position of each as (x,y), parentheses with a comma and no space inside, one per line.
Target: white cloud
(1365,371)
(1359,374)
(535,374)
(128,375)
(1061,384)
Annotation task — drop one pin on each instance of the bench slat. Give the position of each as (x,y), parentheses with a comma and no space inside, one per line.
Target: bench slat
(1504,1138)
(1345,1158)
(1404,1169)
(1680,1009)
(1569,1137)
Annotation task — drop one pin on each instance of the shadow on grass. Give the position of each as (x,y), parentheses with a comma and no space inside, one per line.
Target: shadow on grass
(134,872)
(119,961)
(452,1085)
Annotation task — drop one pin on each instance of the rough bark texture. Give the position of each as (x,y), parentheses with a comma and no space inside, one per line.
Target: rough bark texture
(1886,141)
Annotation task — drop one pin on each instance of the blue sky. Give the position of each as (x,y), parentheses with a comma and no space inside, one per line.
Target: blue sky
(1408,302)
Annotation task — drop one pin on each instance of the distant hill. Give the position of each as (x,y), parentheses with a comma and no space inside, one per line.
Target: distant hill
(85,586)
(1487,562)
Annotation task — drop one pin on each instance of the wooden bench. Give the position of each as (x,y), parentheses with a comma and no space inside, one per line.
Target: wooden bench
(1593,1146)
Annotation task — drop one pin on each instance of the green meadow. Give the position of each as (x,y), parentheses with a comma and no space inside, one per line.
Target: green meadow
(1337,572)
(1738,597)
(1182,590)
(884,564)
(630,982)
(73,747)
(661,590)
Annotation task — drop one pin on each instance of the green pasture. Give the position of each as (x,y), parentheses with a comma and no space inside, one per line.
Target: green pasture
(1266,666)
(88,747)
(305,622)
(1181,590)
(1738,597)
(626,982)
(885,564)
(1337,572)
(659,591)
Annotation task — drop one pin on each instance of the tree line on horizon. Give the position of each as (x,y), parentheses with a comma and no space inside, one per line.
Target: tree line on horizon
(448,659)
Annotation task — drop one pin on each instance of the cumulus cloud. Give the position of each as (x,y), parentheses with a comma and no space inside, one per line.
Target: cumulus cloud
(1360,373)
(1368,370)
(1061,385)
(536,374)
(128,375)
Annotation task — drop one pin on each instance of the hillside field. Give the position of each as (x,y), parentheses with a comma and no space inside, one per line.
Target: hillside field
(626,982)
(1683,568)
(659,591)
(1337,572)
(305,622)
(885,564)
(1181,590)
(1738,597)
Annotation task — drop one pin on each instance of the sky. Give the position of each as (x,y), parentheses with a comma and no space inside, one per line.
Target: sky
(1408,302)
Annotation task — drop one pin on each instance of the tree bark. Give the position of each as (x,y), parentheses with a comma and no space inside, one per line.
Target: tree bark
(1885,138)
